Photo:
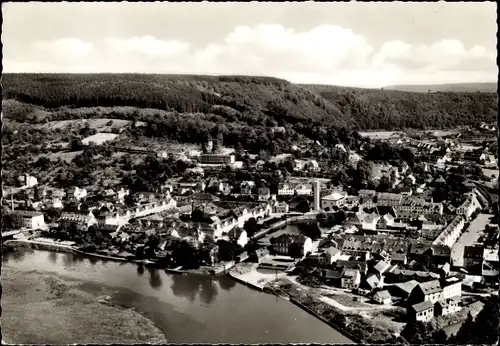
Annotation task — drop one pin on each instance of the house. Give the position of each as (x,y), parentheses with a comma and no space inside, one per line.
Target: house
(216,159)
(285,190)
(427,291)
(351,202)
(402,289)
(29,219)
(351,278)
(312,166)
(334,200)
(451,233)
(388,199)
(381,267)
(383,297)
(280,208)
(326,256)
(423,311)
(85,219)
(441,254)
(303,189)
(264,194)
(332,276)
(443,269)
(468,207)
(447,306)
(27,181)
(284,244)
(452,287)
(76,193)
(473,258)
(246,187)
(374,281)
(490,263)
(239,236)
(55,203)
(406,191)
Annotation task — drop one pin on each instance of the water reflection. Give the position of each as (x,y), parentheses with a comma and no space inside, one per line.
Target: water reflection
(140,269)
(190,286)
(92,260)
(155,278)
(53,257)
(226,283)
(208,290)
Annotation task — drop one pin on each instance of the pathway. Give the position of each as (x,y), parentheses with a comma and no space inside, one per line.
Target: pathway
(469,237)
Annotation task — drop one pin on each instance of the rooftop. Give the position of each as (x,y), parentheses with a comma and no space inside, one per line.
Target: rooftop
(422,306)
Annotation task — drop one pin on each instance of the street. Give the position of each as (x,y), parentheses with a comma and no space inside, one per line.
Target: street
(469,237)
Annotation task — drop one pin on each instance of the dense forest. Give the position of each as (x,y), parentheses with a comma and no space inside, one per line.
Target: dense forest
(391,109)
(249,101)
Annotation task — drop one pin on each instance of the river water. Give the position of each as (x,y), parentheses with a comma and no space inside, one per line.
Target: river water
(187,308)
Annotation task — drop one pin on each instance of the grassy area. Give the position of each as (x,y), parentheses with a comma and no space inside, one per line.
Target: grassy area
(39,309)
(347,300)
(361,326)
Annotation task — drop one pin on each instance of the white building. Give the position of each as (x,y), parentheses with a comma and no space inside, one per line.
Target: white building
(76,193)
(303,189)
(468,207)
(452,287)
(26,181)
(336,199)
(30,219)
(451,233)
(285,190)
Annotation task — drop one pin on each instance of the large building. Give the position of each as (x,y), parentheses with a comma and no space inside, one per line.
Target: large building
(217,159)
(29,219)
(335,199)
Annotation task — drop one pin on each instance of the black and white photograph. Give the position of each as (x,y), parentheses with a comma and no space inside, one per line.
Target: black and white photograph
(249,173)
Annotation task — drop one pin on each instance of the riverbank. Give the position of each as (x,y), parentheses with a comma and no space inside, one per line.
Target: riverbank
(219,269)
(46,309)
(359,325)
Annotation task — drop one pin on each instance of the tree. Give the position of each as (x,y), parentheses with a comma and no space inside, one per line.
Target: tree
(303,206)
(295,250)
(467,331)
(251,226)
(486,323)
(416,332)
(76,144)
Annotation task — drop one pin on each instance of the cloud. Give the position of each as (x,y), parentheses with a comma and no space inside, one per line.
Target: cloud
(148,45)
(446,54)
(64,48)
(327,54)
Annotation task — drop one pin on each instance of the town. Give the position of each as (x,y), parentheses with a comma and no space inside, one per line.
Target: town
(393,226)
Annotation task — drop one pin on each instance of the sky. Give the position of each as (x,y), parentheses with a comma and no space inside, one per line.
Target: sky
(350,44)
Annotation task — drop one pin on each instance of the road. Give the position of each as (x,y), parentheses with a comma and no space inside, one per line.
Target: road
(469,237)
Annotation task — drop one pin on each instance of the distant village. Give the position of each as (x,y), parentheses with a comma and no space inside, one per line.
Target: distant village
(397,247)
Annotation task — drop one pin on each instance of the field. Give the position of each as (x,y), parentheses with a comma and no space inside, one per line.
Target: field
(99,138)
(42,309)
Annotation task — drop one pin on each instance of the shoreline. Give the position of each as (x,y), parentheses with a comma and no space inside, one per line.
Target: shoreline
(46,246)
(38,245)
(55,295)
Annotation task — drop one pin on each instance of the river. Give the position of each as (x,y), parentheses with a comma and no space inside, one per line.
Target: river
(187,308)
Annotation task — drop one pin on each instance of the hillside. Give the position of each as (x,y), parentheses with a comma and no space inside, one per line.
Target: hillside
(393,109)
(181,104)
(456,87)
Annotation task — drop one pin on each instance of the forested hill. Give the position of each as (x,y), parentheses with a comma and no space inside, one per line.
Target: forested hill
(251,100)
(392,109)
(254,101)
